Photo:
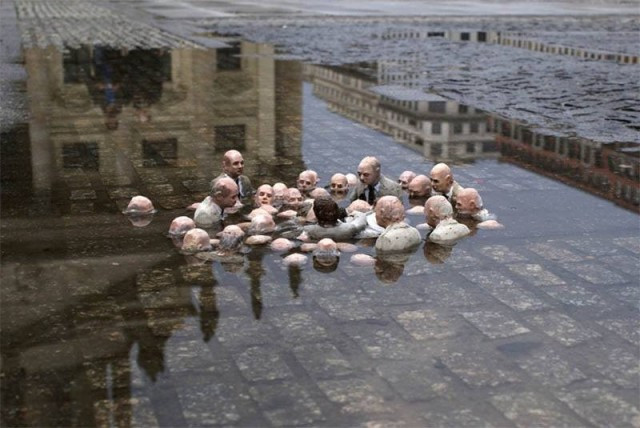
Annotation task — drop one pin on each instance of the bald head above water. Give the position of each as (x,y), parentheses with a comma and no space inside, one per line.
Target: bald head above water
(441,178)
(389,210)
(419,187)
(468,201)
(405,178)
(339,183)
(436,209)
(369,171)
(307,181)
(224,192)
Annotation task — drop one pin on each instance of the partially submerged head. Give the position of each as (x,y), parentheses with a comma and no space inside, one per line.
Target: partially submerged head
(358,206)
(261,224)
(279,192)
(293,198)
(405,178)
(264,195)
(436,209)
(468,202)
(139,205)
(339,183)
(419,187)
(307,181)
(441,178)
(389,210)
(326,211)
(181,225)
(224,192)
(233,163)
(318,192)
(230,239)
(369,171)
(196,240)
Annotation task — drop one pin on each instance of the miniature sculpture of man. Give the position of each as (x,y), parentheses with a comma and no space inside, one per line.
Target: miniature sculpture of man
(398,236)
(439,214)
(419,187)
(372,184)
(405,178)
(233,167)
(307,181)
(442,182)
(328,213)
(224,194)
(469,205)
(338,183)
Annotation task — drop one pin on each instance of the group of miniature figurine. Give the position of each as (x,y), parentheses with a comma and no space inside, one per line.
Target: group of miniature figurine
(324,221)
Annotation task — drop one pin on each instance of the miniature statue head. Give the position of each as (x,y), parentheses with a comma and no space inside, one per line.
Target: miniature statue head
(139,205)
(224,192)
(293,198)
(261,224)
(279,190)
(352,179)
(233,164)
(230,239)
(436,209)
(389,210)
(196,240)
(441,178)
(358,205)
(468,202)
(339,183)
(307,181)
(326,211)
(181,225)
(264,195)
(318,192)
(405,178)
(369,171)
(419,187)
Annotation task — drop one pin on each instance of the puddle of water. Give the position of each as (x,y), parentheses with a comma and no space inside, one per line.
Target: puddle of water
(105,323)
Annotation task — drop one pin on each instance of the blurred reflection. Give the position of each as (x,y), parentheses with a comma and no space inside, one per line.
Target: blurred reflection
(436,253)
(390,267)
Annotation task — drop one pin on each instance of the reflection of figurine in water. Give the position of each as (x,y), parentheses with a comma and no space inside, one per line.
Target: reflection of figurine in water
(405,178)
(224,194)
(233,167)
(326,256)
(307,181)
(389,267)
(440,216)
(109,71)
(443,183)
(398,236)
(469,205)
(372,184)
(436,253)
(140,211)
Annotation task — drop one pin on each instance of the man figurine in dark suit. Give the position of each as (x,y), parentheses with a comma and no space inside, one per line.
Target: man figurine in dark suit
(372,184)
(443,183)
(233,167)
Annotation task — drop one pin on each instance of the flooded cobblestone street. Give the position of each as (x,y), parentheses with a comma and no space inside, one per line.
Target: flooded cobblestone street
(103,322)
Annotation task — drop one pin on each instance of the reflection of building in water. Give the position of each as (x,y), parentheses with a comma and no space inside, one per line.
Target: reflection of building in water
(608,170)
(441,129)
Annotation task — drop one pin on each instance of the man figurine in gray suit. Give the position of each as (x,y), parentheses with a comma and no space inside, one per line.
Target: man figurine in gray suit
(443,183)
(233,167)
(372,185)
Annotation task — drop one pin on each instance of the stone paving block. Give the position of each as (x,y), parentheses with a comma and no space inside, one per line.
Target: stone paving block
(502,254)
(83,195)
(550,368)
(631,243)
(428,324)
(562,328)
(287,404)
(459,417)
(213,403)
(450,294)
(123,193)
(623,263)
(594,273)
(185,355)
(174,202)
(505,290)
(536,274)
(461,259)
(296,327)
(594,246)
(230,298)
(160,189)
(630,294)
(116,180)
(628,328)
(480,370)
(574,295)
(552,252)
(354,396)
(528,409)
(197,185)
(382,342)
(322,360)
(82,208)
(348,308)
(149,175)
(242,331)
(390,296)
(600,407)
(617,364)
(262,363)
(415,381)
(280,294)
(494,324)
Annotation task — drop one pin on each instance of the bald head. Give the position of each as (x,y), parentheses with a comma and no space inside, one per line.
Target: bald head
(261,224)
(233,163)
(231,238)
(339,183)
(389,210)
(369,171)
(436,209)
(441,178)
(405,178)
(419,187)
(468,202)
(224,192)
(264,195)
(307,181)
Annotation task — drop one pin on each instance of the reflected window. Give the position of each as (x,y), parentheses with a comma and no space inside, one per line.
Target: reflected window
(228,59)
(230,137)
(462,109)
(419,141)
(76,65)
(489,146)
(160,152)
(471,147)
(457,128)
(464,36)
(436,128)
(473,127)
(81,155)
(482,36)
(437,106)
(436,149)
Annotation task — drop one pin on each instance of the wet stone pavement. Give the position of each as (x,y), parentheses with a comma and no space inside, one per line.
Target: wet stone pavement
(106,324)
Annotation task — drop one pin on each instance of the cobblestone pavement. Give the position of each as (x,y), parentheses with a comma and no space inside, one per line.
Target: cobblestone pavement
(105,324)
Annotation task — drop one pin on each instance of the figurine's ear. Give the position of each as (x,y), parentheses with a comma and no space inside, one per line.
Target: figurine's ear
(473,205)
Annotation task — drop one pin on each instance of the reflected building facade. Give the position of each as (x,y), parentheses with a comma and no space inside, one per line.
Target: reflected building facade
(442,130)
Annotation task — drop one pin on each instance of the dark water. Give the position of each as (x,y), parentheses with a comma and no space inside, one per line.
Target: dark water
(104,323)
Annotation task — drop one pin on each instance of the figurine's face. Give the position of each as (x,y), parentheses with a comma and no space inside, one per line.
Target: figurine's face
(339,184)
(465,204)
(228,198)
(418,189)
(368,174)
(264,195)
(294,198)
(234,165)
(441,181)
(405,178)
(306,182)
